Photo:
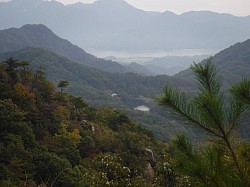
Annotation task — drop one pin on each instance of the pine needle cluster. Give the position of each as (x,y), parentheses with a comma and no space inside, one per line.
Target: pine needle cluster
(225,160)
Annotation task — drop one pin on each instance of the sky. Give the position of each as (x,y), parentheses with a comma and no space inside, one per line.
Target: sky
(235,7)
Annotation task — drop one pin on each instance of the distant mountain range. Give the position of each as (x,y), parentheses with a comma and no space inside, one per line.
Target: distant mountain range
(169,65)
(116,25)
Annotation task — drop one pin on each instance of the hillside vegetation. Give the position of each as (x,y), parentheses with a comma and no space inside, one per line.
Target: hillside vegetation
(97,87)
(133,90)
(50,138)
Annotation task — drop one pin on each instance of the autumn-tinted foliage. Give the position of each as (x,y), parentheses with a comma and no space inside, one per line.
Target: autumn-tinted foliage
(51,138)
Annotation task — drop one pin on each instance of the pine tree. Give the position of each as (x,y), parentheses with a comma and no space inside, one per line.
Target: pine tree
(220,116)
(62,85)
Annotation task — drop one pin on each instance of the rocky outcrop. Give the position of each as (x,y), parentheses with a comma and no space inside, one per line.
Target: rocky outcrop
(88,125)
(150,155)
(149,173)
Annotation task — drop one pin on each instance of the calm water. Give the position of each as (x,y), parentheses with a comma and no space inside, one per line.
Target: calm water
(142,108)
(152,53)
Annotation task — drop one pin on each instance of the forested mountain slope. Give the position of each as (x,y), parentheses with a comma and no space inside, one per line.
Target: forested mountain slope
(59,68)
(40,36)
(233,64)
(133,90)
(97,88)
(50,138)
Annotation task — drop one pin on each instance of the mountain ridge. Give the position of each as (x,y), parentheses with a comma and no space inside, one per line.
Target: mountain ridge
(40,36)
(233,63)
(128,28)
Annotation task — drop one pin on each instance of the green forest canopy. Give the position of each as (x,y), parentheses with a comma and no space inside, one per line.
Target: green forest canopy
(51,138)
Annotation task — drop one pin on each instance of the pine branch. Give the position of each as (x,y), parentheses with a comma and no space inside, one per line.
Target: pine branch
(238,111)
(211,108)
(208,110)
(207,77)
(240,103)
(178,102)
(241,92)
(184,145)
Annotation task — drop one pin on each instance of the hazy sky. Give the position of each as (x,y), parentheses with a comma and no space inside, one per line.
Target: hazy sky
(235,7)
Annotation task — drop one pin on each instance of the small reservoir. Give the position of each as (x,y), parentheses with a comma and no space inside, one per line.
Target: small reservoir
(142,108)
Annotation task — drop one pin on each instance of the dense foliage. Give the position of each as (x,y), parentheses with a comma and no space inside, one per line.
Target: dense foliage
(96,87)
(50,138)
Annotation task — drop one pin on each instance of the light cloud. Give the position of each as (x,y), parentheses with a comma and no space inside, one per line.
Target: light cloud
(235,7)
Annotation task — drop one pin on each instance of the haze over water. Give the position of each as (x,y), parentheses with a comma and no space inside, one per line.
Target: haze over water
(151,53)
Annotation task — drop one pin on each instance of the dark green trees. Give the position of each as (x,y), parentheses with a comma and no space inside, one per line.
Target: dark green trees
(224,161)
(62,85)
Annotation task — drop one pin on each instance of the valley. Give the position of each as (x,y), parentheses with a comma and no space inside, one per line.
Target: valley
(96,86)
(104,94)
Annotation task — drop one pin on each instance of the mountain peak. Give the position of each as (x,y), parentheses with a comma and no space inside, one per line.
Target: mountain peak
(42,37)
(41,26)
(37,28)
(110,1)
(111,4)
(26,1)
(31,4)
(168,13)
